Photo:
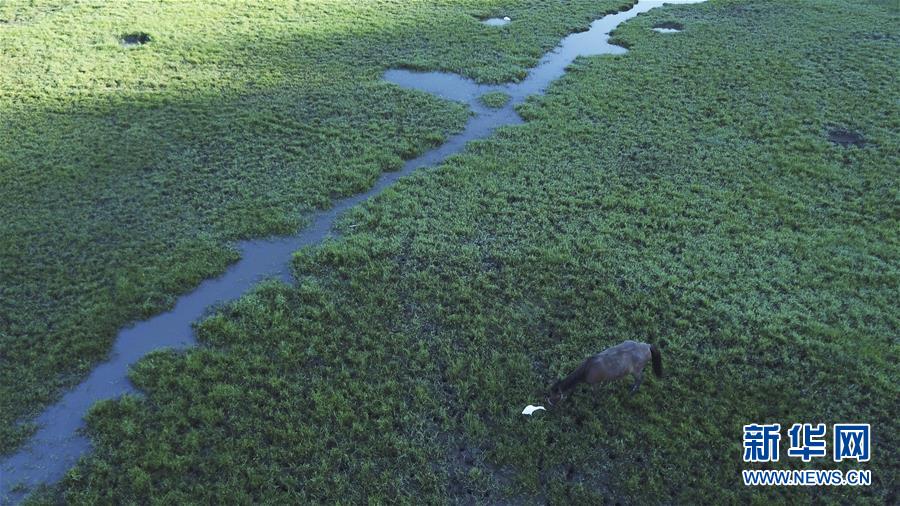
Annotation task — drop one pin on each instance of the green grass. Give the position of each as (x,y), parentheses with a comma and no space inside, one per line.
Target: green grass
(683,194)
(495,99)
(125,171)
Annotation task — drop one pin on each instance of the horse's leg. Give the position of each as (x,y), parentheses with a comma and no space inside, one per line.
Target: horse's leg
(638,377)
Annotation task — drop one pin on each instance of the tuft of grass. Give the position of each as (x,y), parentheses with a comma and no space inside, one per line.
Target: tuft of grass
(495,99)
(684,194)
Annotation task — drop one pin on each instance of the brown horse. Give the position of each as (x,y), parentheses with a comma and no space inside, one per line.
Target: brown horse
(630,357)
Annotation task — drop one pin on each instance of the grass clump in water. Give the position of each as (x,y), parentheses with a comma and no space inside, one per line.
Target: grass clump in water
(495,99)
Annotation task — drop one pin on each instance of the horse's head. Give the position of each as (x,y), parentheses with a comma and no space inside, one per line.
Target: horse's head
(556,395)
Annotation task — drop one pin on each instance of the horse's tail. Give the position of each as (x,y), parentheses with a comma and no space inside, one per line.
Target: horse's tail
(657,360)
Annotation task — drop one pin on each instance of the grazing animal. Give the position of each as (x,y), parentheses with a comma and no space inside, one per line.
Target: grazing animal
(613,363)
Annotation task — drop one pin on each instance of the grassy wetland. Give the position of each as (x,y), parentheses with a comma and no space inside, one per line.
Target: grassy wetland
(696,192)
(126,167)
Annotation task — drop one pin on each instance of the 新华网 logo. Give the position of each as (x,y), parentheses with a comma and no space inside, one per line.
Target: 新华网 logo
(850,441)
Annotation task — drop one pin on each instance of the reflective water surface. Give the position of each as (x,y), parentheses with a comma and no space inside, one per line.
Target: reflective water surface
(496,21)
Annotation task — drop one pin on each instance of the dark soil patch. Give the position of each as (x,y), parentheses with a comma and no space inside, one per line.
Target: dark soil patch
(136,39)
(846,138)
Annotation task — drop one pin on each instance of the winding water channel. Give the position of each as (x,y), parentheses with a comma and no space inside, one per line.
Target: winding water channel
(58,443)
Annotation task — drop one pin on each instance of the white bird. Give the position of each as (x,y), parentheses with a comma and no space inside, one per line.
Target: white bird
(506,18)
(529,409)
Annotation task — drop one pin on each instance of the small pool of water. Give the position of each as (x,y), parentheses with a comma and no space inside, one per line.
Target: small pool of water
(668,27)
(496,21)
(441,84)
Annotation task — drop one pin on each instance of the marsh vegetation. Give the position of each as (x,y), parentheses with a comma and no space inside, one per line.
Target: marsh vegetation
(125,172)
(690,194)
(495,99)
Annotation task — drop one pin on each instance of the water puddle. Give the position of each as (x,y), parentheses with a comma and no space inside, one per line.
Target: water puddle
(58,443)
(668,27)
(496,21)
(442,84)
